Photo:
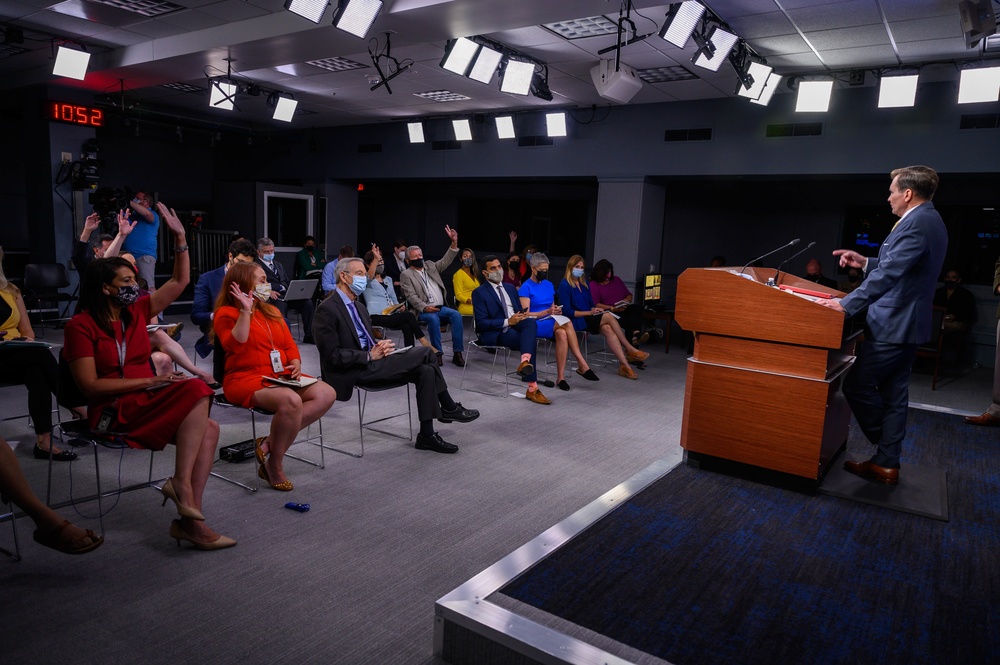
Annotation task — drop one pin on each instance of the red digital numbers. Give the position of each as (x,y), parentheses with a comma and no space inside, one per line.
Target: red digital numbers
(76,114)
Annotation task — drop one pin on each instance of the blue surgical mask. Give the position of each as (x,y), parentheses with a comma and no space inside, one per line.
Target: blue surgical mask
(578,272)
(269,257)
(358,284)
(527,256)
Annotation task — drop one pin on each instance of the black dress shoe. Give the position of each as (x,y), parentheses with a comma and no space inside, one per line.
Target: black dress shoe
(440,357)
(436,443)
(64,456)
(458,415)
(563,385)
(458,359)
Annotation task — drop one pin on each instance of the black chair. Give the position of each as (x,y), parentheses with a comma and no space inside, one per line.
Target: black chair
(42,284)
(932,348)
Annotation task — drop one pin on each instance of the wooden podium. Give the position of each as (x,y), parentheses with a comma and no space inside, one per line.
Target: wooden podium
(763,385)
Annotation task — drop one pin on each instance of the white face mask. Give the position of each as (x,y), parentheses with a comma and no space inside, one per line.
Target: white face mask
(262,291)
(401,254)
(495,276)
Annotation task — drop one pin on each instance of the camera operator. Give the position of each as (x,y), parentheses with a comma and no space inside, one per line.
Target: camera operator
(141,243)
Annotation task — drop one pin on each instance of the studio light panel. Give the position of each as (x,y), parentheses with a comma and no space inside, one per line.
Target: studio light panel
(71,63)
(309,9)
(677,30)
(769,89)
(222,94)
(505,127)
(555,124)
(356,16)
(979,85)
(724,42)
(814,96)
(460,56)
(463,129)
(517,77)
(760,74)
(415,131)
(485,64)
(897,91)
(285,109)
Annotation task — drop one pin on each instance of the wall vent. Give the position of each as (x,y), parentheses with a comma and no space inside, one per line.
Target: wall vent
(677,135)
(369,148)
(446,145)
(795,129)
(980,121)
(529,141)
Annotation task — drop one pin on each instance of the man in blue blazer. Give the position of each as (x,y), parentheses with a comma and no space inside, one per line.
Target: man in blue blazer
(499,322)
(206,290)
(898,291)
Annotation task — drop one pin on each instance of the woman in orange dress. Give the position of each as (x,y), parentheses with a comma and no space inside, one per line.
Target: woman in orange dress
(258,343)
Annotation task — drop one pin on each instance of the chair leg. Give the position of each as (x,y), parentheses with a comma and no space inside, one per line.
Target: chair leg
(14,554)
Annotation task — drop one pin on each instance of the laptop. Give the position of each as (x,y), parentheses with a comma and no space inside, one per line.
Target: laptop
(300,289)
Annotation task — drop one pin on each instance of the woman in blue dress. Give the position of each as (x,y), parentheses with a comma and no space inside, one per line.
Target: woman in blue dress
(538,297)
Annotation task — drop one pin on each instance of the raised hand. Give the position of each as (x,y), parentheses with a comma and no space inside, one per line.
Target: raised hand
(170,218)
(451,233)
(376,253)
(92,223)
(125,225)
(513,236)
(244,299)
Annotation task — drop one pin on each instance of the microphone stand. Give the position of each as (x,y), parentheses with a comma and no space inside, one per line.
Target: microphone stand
(773,281)
(773,251)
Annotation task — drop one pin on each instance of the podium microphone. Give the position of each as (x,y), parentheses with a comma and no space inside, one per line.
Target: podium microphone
(773,251)
(774,280)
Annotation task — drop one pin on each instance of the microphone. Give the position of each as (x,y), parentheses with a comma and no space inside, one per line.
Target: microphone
(773,251)
(774,280)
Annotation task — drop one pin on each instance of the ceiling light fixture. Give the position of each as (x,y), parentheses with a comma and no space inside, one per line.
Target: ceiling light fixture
(458,55)
(713,48)
(71,63)
(757,75)
(555,124)
(769,89)
(505,127)
(979,85)
(814,96)
(463,129)
(516,76)
(485,64)
(681,21)
(283,104)
(356,16)
(223,94)
(897,91)
(309,9)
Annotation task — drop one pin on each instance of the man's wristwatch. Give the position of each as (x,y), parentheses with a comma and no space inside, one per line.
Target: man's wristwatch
(182,248)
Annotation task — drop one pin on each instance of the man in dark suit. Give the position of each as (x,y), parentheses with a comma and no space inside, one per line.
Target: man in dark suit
(206,290)
(814,273)
(350,355)
(499,324)
(898,291)
(277,277)
(396,264)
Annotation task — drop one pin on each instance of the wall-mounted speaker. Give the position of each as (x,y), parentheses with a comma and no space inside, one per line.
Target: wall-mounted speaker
(619,86)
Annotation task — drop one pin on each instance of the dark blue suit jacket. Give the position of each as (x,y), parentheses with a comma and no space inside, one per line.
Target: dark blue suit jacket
(206,290)
(489,312)
(899,285)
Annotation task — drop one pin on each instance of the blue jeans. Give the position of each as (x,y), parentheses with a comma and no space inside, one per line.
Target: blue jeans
(434,319)
(877,388)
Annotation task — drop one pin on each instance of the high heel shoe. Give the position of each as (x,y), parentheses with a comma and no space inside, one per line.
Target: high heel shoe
(182,510)
(283,486)
(179,534)
(258,451)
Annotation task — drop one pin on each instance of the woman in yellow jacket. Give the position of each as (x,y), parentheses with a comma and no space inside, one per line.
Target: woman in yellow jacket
(465,281)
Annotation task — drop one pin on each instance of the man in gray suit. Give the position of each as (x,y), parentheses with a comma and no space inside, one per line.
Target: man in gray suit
(991,418)
(424,291)
(898,290)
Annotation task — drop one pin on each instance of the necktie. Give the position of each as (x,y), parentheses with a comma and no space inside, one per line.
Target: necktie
(362,333)
(503,300)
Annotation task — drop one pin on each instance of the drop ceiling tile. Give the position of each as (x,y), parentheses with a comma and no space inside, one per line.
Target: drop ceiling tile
(835,15)
(234,10)
(794,61)
(864,56)
(932,49)
(192,20)
(762,25)
(925,29)
(781,45)
(156,29)
(911,9)
(843,38)
(533,35)
(16,10)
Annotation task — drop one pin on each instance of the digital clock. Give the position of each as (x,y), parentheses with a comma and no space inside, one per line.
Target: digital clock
(75,114)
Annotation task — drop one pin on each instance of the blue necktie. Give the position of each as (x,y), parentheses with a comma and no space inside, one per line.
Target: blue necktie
(362,334)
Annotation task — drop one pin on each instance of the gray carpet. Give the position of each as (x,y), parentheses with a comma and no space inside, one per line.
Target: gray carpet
(355,579)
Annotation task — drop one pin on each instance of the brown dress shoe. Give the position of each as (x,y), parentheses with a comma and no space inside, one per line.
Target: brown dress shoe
(525,368)
(458,359)
(537,397)
(987,419)
(873,472)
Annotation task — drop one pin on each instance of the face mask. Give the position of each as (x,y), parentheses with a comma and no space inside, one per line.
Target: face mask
(401,254)
(542,275)
(380,269)
(310,248)
(263,292)
(496,276)
(467,263)
(268,257)
(416,263)
(527,256)
(358,284)
(514,265)
(127,295)
(812,278)
(578,272)
(950,283)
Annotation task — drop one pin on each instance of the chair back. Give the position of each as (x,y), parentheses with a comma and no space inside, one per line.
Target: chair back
(933,345)
(68,393)
(45,276)
(219,361)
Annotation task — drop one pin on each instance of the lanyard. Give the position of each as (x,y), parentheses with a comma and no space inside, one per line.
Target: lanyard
(268,330)
(121,351)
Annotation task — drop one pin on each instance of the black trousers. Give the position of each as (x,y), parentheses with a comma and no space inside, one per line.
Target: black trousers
(417,366)
(305,306)
(35,368)
(404,321)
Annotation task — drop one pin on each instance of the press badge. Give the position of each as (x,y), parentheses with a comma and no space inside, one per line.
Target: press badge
(276,362)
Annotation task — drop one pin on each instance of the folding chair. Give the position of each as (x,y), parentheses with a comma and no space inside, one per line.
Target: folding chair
(42,284)
(476,345)
(361,393)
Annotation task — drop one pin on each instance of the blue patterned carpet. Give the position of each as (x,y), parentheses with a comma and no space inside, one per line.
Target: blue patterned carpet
(704,568)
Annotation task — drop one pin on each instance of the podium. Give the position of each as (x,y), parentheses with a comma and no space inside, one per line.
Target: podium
(763,385)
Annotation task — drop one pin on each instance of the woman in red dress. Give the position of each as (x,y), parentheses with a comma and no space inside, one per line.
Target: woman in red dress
(257,343)
(108,351)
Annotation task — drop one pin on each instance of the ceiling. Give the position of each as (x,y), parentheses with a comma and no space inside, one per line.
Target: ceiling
(271,46)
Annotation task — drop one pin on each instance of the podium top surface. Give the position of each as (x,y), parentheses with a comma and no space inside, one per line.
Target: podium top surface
(720,301)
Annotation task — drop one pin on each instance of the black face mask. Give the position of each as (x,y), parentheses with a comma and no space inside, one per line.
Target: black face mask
(950,283)
(542,275)
(416,263)
(310,248)
(514,265)
(813,278)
